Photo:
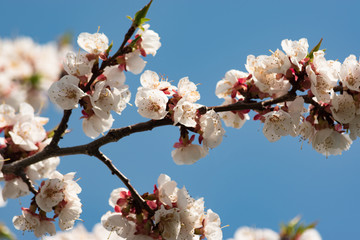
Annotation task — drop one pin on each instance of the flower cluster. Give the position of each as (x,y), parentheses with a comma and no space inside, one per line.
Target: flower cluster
(58,194)
(176,215)
(157,98)
(27,69)
(24,135)
(100,91)
(331,92)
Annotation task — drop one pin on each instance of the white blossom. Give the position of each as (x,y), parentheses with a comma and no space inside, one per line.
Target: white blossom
(185,112)
(151,103)
(188,90)
(115,78)
(50,194)
(29,221)
(343,107)
(134,63)
(306,130)
(212,129)
(323,76)
(167,189)
(150,40)
(93,43)
(296,50)
(94,125)
(225,86)
(330,142)
(265,71)
(116,222)
(151,80)
(277,124)
(66,92)
(77,64)
(28,129)
(169,222)
(350,73)
(212,226)
(188,154)
(354,128)
(102,100)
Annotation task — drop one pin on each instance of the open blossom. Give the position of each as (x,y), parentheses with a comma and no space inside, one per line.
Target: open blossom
(150,40)
(330,142)
(77,64)
(343,107)
(169,221)
(323,76)
(151,80)
(185,113)
(188,90)
(151,103)
(95,125)
(277,124)
(212,226)
(66,92)
(296,50)
(266,72)
(188,154)
(50,194)
(93,43)
(350,73)
(224,87)
(28,129)
(30,221)
(212,130)
(247,233)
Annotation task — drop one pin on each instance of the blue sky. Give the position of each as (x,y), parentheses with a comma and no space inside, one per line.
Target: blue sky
(246,180)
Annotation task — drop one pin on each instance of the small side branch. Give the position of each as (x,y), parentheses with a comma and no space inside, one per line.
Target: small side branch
(142,203)
(61,129)
(28,182)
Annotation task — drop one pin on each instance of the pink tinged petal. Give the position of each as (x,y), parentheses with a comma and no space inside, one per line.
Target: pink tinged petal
(115,195)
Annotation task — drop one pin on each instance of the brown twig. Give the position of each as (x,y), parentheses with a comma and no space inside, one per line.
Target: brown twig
(28,182)
(60,129)
(142,203)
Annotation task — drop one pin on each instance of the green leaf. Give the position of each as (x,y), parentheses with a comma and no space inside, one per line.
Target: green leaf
(315,49)
(139,18)
(109,48)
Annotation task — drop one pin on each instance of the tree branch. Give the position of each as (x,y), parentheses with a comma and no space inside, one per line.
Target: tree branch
(142,203)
